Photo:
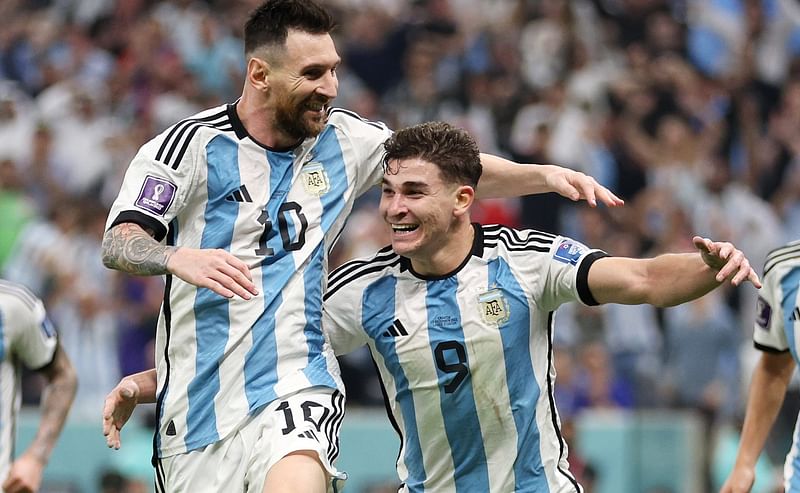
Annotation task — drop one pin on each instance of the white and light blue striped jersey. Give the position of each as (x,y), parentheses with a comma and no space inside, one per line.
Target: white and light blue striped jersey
(777,328)
(26,337)
(205,183)
(466,359)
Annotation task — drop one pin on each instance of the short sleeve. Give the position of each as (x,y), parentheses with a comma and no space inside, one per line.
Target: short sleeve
(768,331)
(30,335)
(564,273)
(153,191)
(341,318)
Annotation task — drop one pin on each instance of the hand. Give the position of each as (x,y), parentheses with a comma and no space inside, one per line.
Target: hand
(740,481)
(117,409)
(727,260)
(216,270)
(576,185)
(25,475)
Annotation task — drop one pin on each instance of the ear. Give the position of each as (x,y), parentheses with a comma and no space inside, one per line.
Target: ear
(258,71)
(465,196)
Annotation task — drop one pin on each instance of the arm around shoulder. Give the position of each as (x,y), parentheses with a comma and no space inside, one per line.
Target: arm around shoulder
(504,178)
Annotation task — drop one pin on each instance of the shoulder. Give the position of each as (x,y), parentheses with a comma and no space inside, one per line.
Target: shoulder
(350,122)
(788,254)
(360,272)
(170,146)
(503,238)
(18,301)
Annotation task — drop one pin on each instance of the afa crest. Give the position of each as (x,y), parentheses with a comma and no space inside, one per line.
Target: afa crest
(493,307)
(315,179)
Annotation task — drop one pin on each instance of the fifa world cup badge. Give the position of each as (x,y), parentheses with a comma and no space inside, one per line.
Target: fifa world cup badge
(493,307)
(315,179)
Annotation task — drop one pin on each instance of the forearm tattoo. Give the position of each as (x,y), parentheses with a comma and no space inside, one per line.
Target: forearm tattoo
(128,248)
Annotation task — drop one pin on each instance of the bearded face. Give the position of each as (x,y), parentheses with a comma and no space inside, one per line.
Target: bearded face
(303,82)
(303,118)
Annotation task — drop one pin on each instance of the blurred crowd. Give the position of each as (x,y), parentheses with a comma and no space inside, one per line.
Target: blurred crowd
(688,109)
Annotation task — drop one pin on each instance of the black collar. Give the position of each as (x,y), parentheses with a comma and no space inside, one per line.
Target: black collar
(476,251)
(242,133)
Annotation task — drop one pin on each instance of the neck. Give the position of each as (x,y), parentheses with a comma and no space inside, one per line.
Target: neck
(258,118)
(450,254)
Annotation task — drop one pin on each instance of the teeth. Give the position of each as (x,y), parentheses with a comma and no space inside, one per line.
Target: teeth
(404,227)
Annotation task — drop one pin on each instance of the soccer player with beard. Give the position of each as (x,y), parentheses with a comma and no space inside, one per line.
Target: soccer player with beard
(238,206)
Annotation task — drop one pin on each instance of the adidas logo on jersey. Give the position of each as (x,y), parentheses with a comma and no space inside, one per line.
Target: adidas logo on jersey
(395,330)
(241,195)
(795,314)
(308,434)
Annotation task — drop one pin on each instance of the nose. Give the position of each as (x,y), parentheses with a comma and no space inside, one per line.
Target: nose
(394,206)
(329,86)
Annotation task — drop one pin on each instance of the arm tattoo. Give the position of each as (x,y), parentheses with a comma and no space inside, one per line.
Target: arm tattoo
(127,247)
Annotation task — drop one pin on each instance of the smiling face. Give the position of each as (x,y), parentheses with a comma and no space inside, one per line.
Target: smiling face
(427,216)
(302,83)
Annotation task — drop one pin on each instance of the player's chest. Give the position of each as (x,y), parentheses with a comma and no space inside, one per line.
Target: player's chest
(469,314)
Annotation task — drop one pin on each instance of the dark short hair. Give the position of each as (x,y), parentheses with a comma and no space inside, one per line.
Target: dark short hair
(269,24)
(451,149)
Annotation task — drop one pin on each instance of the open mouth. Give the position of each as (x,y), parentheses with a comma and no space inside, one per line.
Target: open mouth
(404,228)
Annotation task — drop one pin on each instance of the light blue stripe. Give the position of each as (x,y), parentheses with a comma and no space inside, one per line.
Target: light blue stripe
(460,415)
(211,311)
(261,361)
(794,477)
(523,390)
(317,369)
(789,286)
(328,152)
(377,315)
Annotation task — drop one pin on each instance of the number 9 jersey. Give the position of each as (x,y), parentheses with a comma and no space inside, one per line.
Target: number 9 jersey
(465,359)
(205,183)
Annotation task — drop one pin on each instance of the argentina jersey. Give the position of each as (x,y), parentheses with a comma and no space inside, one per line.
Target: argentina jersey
(205,183)
(26,336)
(777,328)
(466,359)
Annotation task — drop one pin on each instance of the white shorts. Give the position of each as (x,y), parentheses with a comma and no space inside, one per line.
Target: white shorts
(306,420)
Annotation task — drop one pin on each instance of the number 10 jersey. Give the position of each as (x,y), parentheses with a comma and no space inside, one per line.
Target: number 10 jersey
(205,183)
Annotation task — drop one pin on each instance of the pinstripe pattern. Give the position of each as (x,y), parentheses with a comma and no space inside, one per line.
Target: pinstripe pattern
(26,338)
(220,360)
(777,329)
(443,345)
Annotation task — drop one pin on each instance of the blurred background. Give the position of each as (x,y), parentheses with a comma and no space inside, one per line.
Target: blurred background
(688,109)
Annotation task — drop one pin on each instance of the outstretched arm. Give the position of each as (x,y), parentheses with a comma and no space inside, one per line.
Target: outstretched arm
(504,178)
(26,471)
(122,400)
(767,390)
(670,279)
(129,248)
